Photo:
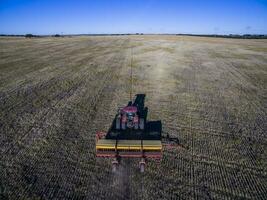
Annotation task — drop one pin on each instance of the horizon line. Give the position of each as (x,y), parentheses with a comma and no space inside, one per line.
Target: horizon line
(137,33)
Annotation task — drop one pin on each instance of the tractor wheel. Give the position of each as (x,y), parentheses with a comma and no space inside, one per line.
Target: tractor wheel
(142,124)
(123,125)
(118,123)
(114,167)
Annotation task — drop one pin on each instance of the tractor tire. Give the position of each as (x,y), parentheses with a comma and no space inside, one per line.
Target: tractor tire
(142,123)
(123,125)
(114,167)
(118,123)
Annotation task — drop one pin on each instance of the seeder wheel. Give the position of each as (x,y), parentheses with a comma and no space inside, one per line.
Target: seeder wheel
(142,165)
(115,165)
(142,168)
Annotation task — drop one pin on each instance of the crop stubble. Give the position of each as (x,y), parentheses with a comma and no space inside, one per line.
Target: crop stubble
(57,92)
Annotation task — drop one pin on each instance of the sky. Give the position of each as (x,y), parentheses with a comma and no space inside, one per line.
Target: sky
(133,16)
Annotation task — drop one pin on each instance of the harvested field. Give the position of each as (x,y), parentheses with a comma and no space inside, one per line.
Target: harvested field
(55,93)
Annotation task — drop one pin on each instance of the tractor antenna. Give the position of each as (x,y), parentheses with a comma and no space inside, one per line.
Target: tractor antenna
(131,89)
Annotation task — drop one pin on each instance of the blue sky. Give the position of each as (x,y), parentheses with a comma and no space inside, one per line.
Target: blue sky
(131,16)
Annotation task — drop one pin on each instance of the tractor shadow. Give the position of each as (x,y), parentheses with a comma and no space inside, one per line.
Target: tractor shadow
(152,131)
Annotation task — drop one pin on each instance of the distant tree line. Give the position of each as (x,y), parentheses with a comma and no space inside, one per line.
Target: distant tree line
(31,36)
(236,36)
(245,36)
(8,35)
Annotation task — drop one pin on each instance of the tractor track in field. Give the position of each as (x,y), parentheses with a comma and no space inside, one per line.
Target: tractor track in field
(94,101)
(102,96)
(238,77)
(190,90)
(32,129)
(217,156)
(57,99)
(214,121)
(6,95)
(223,134)
(119,183)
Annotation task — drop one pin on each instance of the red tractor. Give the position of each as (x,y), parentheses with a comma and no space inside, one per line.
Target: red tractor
(132,116)
(131,135)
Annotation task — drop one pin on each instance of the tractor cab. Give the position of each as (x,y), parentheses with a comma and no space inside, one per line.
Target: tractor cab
(128,118)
